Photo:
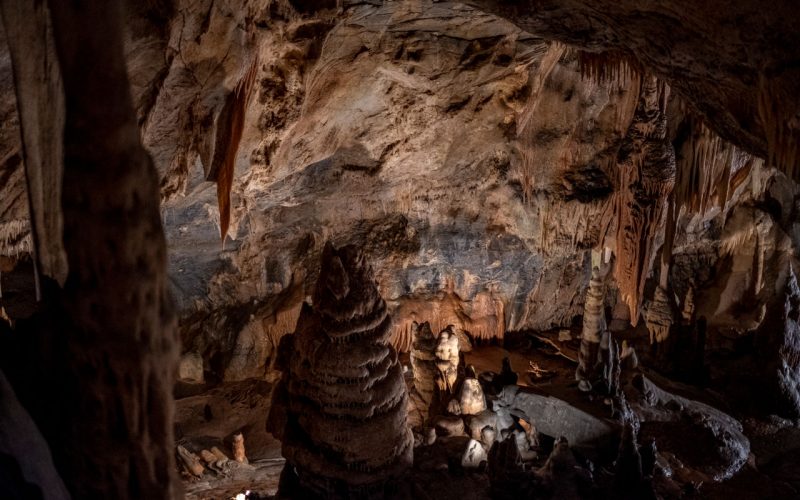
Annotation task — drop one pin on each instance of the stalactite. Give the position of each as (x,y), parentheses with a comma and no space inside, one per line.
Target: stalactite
(608,68)
(526,163)
(482,318)
(537,78)
(646,178)
(687,313)
(658,317)
(15,238)
(703,169)
(230,125)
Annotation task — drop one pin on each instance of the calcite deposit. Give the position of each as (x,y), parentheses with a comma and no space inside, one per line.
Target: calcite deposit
(345,428)
(581,219)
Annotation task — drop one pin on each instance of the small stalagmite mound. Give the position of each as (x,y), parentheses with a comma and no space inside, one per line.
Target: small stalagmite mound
(343,425)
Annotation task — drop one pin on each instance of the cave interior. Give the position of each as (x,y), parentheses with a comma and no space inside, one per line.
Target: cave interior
(368,249)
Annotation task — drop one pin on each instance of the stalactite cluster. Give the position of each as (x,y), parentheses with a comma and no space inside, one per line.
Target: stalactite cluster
(646,178)
(608,68)
(482,318)
(15,238)
(703,169)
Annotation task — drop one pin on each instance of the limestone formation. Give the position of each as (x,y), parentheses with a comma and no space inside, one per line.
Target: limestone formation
(629,477)
(562,475)
(447,359)
(190,368)
(594,324)
(471,399)
(345,431)
(238,448)
(507,376)
(778,345)
(423,366)
(610,363)
(474,455)
(658,317)
(687,313)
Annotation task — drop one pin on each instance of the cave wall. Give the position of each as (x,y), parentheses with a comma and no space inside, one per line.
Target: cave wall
(478,165)
(473,161)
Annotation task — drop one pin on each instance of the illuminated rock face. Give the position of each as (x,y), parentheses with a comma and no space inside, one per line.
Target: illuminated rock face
(345,428)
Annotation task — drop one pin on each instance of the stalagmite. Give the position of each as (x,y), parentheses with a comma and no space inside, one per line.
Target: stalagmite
(238,448)
(594,324)
(658,317)
(447,358)
(610,362)
(472,400)
(423,366)
(345,430)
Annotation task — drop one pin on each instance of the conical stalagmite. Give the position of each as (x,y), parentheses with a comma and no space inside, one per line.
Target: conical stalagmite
(594,324)
(346,433)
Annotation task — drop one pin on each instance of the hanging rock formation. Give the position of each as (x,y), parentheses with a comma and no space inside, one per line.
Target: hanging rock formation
(345,431)
(687,313)
(658,317)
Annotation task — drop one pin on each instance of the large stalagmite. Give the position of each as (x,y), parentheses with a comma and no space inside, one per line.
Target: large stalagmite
(594,323)
(345,429)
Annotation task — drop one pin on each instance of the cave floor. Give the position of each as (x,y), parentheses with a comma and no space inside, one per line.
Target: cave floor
(207,417)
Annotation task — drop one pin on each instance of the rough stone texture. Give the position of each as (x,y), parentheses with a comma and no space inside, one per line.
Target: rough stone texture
(778,343)
(555,417)
(476,163)
(345,431)
(708,439)
(471,400)
(488,234)
(671,39)
(14,219)
(358,124)
(107,337)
